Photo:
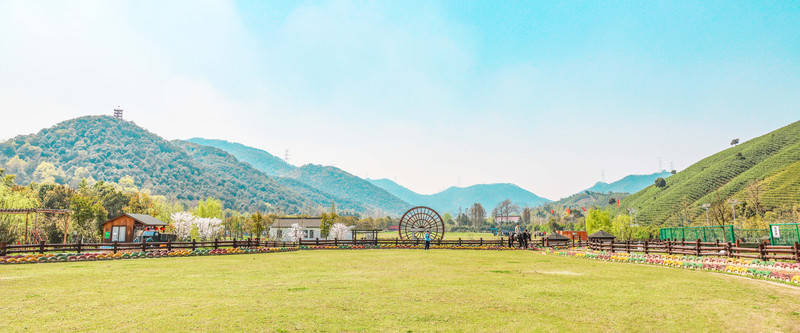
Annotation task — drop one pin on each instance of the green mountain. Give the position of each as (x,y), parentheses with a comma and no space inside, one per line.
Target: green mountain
(106,148)
(769,162)
(587,199)
(343,184)
(333,181)
(259,159)
(221,164)
(629,183)
(453,198)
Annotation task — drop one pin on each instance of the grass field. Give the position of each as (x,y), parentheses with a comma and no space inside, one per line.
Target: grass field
(447,235)
(386,290)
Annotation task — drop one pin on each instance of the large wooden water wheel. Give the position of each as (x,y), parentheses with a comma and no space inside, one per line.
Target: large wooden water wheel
(416,221)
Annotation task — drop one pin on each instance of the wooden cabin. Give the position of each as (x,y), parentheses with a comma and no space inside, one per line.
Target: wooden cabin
(125,227)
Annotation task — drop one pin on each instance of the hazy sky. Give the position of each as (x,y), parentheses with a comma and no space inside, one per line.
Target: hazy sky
(429,94)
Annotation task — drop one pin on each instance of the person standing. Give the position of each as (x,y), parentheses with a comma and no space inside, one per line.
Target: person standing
(427,240)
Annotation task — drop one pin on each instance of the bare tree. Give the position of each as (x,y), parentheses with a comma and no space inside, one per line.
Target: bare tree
(477,215)
(719,211)
(754,198)
(505,209)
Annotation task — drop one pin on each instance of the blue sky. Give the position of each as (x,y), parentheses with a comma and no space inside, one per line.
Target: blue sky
(430,94)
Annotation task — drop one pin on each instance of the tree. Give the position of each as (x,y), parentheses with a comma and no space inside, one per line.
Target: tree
(505,208)
(295,233)
(477,215)
(754,198)
(660,182)
(183,222)
(338,231)
(326,222)
(598,220)
(209,208)
(257,224)
(526,216)
(719,211)
(621,227)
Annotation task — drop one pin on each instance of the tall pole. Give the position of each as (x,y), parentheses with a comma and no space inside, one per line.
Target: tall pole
(706,206)
(733,202)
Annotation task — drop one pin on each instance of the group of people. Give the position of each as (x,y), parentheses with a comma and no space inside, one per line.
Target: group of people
(521,238)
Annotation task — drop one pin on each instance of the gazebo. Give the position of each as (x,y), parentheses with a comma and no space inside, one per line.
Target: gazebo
(601,236)
(555,239)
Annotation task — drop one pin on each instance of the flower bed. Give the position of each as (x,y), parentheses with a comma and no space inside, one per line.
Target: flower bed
(787,272)
(158,253)
(67,257)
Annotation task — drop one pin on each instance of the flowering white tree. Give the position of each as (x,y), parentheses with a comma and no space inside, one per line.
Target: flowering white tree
(295,233)
(183,222)
(208,227)
(338,231)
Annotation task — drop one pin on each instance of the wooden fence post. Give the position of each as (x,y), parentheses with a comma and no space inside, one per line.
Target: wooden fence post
(395,241)
(796,251)
(194,245)
(169,245)
(78,246)
(144,245)
(761,252)
(41,247)
(645,247)
(459,241)
(216,243)
(698,247)
(234,243)
(336,242)
(481,241)
(612,245)
(317,240)
(3,249)
(628,246)
(669,246)
(115,246)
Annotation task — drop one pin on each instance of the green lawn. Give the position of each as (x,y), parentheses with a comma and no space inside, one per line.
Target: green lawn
(386,290)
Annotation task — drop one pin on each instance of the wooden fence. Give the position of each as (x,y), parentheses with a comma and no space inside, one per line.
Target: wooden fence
(699,248)
(80,247)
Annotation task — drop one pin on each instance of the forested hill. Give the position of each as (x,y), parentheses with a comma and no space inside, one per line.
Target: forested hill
(453,198)
(258,158)
(343,184)
(332,181)
(106,148)
(629,183)
(763,174)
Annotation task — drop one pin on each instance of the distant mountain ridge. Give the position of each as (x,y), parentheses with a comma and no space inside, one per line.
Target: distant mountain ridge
(259,159)
(629,183)
(311,178)
(453,198)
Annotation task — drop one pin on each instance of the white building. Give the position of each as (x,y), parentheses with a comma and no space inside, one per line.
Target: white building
(281,226)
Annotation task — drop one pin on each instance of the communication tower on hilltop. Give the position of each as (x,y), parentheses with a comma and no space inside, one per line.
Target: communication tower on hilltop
(286,156)
(118,112)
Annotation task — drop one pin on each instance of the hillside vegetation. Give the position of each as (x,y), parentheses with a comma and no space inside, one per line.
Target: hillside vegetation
(343,184)
(349,191)
(768,162)
(109,149)
(629,183)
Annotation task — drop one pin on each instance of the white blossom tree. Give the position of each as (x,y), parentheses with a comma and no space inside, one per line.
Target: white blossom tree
(338,231)
(183,222)
(208,227)
(295,233)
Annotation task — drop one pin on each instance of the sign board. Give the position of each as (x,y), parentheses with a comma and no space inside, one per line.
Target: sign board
(776,231)
(107,235)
